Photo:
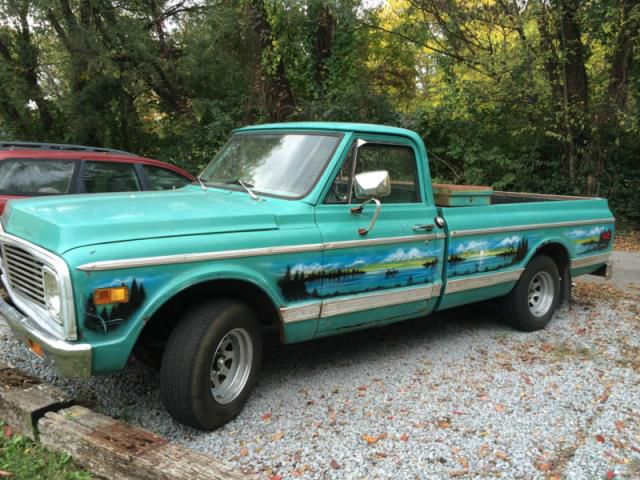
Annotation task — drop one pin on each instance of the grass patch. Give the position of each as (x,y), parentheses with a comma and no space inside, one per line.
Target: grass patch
(20,458)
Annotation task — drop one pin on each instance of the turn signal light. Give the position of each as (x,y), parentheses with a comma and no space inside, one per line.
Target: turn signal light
(36,348)
(103,296)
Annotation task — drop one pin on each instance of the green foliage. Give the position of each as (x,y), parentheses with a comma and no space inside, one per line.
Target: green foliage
(26,460)
(535,96)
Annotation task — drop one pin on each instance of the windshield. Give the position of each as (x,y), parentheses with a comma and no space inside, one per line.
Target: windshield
(281,164)
(31,176)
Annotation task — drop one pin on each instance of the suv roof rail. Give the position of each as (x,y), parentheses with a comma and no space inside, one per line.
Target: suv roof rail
(59,146)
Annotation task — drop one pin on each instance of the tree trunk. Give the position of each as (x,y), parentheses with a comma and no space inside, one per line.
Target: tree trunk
(279,101)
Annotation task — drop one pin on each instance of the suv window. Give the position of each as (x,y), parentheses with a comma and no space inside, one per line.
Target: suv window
(100,177)
(398,160)
(163,179)
(33,176)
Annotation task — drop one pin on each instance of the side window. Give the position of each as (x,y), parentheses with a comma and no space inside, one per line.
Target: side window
(100,177)
(398,160)
(33,176)
(163,179)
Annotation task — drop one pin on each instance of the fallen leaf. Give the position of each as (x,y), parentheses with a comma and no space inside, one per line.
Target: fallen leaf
(275,477)
(266,416)
(457,412)
(611,475)
(4,473)
(332,417)
(544,467)
(501,455)
(444,424)
(371,439)
(499,408)
(619,425)
(244,452)
(7,431)
(599,439)
(381,455)
(404,437)
(277,436)
(362,388)
(335,465)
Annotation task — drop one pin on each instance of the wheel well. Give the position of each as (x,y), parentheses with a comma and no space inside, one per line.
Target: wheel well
(158,328)
(560,255)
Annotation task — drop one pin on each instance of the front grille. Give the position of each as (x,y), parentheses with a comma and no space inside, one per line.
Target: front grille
(24,273)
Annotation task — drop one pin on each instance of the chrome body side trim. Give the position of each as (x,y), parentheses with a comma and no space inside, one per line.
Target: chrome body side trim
(368,301)
(590,260)
(382,241)
(480,281)
(250,252)
(300,313)
(68,329)
(70,359)
(357,303)
(534,226)
(196,257)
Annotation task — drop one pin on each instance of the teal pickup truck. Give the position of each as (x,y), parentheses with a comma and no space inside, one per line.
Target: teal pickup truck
(308,229)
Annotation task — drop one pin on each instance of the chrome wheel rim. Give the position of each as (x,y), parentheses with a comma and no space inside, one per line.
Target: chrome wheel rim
(231,365)
(541,293)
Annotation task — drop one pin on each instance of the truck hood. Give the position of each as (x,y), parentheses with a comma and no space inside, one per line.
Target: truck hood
(62,223)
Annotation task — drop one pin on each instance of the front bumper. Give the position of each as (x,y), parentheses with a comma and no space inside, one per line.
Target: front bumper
(70,359)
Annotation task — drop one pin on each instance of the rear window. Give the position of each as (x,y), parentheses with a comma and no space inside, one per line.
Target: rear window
(163,179)
(32,176)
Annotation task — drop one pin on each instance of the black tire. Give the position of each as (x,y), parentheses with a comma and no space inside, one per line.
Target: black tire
(186,385)
(521,310)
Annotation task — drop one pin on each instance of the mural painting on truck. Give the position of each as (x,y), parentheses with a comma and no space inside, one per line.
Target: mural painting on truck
(589,240)
(468,257)
(348,274)
(108,317)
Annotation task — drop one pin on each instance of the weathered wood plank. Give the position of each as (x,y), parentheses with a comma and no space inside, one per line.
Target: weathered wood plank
(24,399)
(114,449)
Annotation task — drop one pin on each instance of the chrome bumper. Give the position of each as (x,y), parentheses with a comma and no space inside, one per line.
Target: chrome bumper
(70,359)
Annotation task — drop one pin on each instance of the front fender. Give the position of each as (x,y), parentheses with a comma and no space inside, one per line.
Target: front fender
(113,331)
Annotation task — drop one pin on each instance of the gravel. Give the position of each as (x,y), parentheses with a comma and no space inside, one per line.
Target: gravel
(456,394)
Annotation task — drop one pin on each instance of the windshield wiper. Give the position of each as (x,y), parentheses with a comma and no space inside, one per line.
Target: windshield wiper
(246,186)
(202,184)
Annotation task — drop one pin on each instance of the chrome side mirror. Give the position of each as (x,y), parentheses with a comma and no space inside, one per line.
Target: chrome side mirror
(372,184)
(369,185)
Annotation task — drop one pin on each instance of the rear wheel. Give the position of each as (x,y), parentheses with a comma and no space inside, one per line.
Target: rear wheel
(211,364)
(534,299)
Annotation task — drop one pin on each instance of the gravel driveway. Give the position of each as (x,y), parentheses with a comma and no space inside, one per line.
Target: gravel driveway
(452,395)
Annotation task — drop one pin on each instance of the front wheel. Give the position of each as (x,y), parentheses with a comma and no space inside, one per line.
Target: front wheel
(534,299)
(211,364)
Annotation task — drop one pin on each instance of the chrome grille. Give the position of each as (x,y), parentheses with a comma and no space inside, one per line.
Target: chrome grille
(24,273)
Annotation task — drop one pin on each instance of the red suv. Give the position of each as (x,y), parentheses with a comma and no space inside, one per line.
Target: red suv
(33,169)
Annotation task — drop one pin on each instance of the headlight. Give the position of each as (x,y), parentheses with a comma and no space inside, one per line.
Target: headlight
(52,295)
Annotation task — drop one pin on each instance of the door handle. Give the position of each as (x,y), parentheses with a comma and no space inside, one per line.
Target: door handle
(427,227)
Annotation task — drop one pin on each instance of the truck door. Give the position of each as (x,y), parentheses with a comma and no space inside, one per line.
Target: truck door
(382,259)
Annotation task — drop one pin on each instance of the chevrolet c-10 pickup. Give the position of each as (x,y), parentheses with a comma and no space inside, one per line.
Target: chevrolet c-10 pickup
(307,229)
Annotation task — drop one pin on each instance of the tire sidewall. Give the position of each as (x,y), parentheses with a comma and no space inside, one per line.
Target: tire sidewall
(521,316)
(209,412)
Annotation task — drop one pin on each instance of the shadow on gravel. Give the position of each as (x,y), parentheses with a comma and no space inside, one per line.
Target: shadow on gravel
(391,340)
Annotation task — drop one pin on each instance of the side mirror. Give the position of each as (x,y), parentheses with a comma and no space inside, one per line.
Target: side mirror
(368,186)
(372,184)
